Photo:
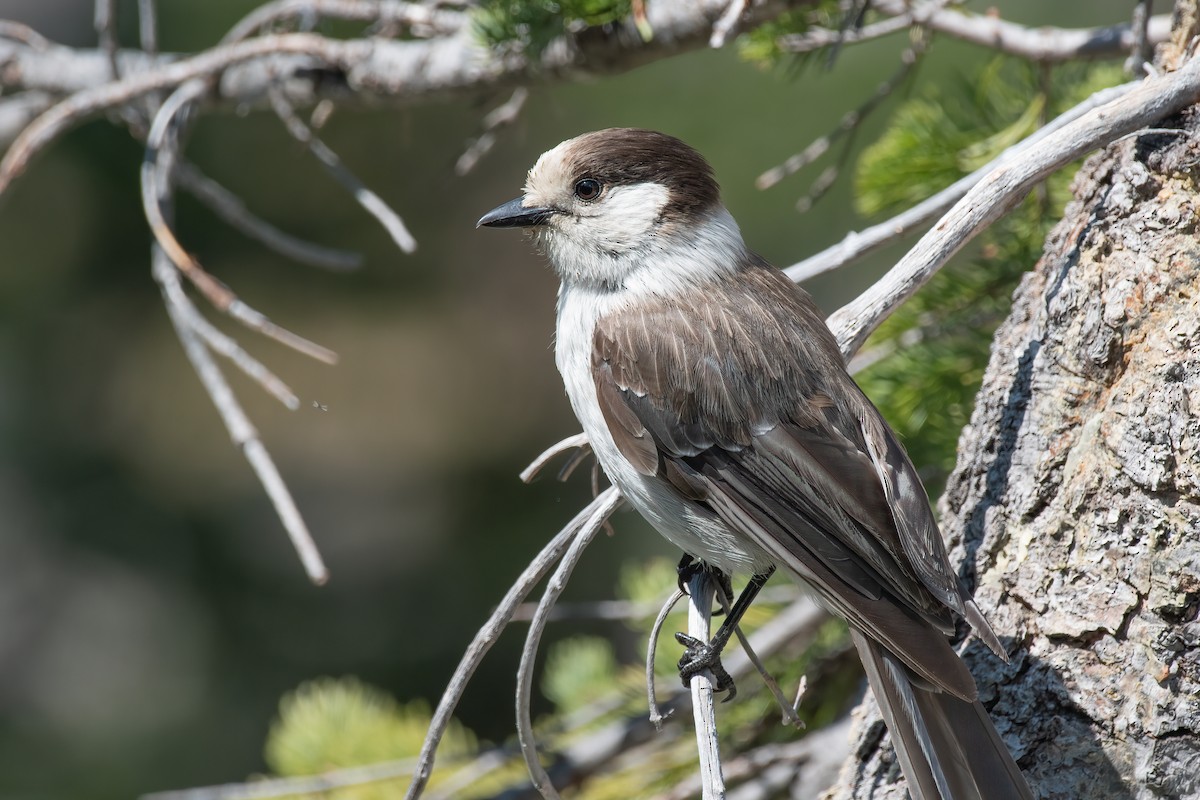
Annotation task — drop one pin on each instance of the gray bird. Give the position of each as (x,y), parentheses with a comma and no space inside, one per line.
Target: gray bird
(715,398)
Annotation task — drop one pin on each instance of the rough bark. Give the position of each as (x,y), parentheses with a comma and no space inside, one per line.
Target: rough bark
(1075,505)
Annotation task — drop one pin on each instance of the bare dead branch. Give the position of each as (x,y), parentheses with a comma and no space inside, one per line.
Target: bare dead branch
(241,430)
(656,715)
(487,636)
(20,32)
(88,102)
(148,27)
(820,38)
(371,202)
(578,441)
(701,589)
(1140,47)
(1005,186)
(500,117)
(302,785)
(1043,44)
(605,504)
(230,208)
(156,171)
(423,20)
(850,122)
(106,28)
(856,245)
(368,71)
(224,345)
(727,24)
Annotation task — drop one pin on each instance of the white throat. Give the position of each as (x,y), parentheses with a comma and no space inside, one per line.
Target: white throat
(645,259)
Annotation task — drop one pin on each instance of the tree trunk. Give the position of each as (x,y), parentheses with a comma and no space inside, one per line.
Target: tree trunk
(1074,510)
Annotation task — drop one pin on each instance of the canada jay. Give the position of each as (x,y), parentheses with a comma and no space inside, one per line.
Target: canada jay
(716,400)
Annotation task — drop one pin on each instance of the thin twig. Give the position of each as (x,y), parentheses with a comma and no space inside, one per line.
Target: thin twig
(1004,187)
(487,636)
(856,245)
(605,504)
(148,27)
(1139,51)
(701,589)
(223,344)
(579,440)
(229,207)
(156,171)
(502,116)
(656,716)
(850,122)
(241,430)
(727,23)
(371,202)
(83,104)
(790,717)
(20,32)
(106,29)
(423,18)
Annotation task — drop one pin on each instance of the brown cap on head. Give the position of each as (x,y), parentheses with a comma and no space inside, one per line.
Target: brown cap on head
(627,156)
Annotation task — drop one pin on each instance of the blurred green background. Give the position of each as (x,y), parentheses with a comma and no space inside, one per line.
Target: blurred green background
(153,612)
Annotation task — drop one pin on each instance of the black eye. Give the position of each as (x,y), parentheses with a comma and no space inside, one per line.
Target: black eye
(588,189)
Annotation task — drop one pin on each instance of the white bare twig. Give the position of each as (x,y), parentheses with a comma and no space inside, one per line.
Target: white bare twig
(106,29)
(157,168)
(223,344)
(371,202)
(701,589)
(605,504)
(241,430)
(502,116)
(535,467)
(148,27)
(488,635)
(1005,186)
(849,124)
(727,24)
(422,19)
(87,102)
(656,716)
(230,208)
(856,245)
(1044,44)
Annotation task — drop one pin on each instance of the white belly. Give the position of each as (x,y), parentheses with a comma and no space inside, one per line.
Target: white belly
(691,527)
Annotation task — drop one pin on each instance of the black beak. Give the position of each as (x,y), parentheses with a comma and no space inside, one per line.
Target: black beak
(514,215)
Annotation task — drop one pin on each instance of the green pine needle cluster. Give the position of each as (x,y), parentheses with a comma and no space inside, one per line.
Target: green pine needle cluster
(528,26)
(938,342)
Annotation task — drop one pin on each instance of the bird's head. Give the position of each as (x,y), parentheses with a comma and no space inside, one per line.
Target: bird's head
(611,205)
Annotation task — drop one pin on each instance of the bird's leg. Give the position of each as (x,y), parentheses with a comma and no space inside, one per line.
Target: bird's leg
(699,655)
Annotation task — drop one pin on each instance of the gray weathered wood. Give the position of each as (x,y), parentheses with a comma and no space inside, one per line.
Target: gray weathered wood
(1075,505)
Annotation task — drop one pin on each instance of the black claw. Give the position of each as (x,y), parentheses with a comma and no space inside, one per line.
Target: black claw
(700,656)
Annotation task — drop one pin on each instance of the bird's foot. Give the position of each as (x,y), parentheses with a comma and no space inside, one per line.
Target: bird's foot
(700,656)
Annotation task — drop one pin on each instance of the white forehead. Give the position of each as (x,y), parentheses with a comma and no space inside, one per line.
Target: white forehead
(552,172)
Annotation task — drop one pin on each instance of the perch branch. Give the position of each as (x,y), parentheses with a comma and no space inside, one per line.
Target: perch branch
(1005,186)
(701,590)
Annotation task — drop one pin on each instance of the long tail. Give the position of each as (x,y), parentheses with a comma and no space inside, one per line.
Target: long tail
(948,747)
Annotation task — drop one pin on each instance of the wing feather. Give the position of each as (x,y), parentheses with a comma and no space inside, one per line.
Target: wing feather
(726,396)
